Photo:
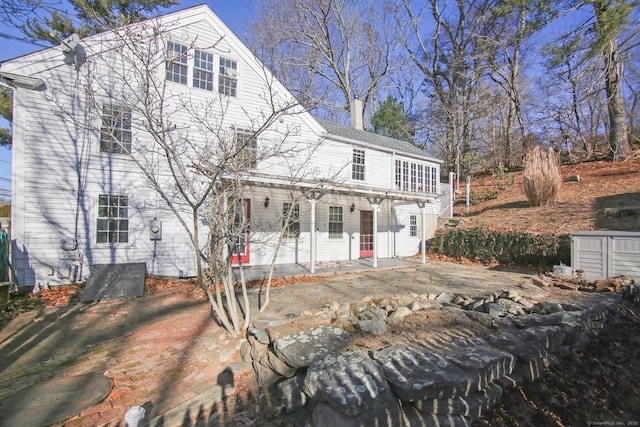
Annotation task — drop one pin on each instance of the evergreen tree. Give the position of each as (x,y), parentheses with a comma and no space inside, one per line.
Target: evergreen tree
(391,120)
(6,112)
(91,17)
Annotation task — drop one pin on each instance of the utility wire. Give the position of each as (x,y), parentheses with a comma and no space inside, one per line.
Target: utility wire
(22,39)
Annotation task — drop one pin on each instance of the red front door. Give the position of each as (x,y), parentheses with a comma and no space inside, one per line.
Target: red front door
(241,246)
(366,233)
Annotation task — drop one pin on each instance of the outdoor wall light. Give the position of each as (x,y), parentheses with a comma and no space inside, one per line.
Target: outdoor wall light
(353,207)
(266,202)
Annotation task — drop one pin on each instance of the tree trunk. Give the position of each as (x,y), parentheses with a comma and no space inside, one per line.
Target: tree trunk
(618,134)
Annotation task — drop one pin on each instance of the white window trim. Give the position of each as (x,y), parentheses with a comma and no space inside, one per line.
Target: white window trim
(97,244)
(329,222)
(363,165)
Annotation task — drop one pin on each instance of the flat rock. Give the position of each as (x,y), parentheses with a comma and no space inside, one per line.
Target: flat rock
(415,374)
(400,313)
(350,382)
(511,307)
(373,313)
(374,327)
(304,348)
(483,362)
(549,337)
(445,298)
(519,344)
(546,307)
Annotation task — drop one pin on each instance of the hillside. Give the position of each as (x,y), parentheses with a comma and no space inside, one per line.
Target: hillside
(580,206)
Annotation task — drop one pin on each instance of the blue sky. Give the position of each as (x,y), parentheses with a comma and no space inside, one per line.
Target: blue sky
(235,13)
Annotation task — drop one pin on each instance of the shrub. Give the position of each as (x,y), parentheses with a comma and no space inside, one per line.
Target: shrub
(542,178)
(506,247)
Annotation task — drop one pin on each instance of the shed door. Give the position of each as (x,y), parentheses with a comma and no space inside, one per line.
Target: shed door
(366,233)
(625,254)
(590,254)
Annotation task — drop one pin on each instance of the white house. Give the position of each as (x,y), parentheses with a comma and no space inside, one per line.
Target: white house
(78,199)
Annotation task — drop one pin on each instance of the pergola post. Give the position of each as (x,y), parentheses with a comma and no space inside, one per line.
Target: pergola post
(312,239)
(375,207)
(423,233)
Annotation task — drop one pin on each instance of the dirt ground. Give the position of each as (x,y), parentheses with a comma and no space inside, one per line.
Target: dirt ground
(579,207)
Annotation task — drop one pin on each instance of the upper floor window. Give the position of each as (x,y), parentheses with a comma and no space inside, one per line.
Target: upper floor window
(115,132)
(416,177)
(405,176)
(203,70)
(292,226)
(247,146)
(113,219)
(228,77)
(335,222)
(433,181)
(357,170)
(177,63)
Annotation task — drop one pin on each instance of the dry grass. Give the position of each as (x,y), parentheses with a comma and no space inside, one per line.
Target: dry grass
(542,177)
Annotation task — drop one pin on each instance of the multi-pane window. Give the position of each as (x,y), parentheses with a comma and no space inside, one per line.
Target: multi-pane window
(416,177)
(335,222)
(413,225)
(177,63)
(405,176)
(113,219)
(228,77)
(115,132)
(203,70)
(413,177)
(357,170)
(292,226)
(434,181)
(247,145)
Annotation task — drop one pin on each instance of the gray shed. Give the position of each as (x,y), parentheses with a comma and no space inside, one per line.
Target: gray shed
(604,254)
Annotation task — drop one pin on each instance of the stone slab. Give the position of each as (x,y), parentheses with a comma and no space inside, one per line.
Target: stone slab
(415,374)
(302,349)
(350,382)
(54,401)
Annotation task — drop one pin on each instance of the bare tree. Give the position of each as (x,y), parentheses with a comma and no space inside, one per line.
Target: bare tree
(505,45)
(188,148)
(327,51)
(602,34)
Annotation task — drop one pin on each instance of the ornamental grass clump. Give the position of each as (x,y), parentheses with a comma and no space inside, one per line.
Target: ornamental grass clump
(542,177)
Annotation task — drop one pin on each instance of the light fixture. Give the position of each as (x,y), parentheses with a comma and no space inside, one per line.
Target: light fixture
(266,202)
(353,207)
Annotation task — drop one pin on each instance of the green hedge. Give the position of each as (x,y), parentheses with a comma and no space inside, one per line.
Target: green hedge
(510,248)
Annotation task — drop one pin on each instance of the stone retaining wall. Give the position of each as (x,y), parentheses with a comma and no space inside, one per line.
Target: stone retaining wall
(446,383)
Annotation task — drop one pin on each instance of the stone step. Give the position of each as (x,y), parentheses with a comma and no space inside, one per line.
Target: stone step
(415,374)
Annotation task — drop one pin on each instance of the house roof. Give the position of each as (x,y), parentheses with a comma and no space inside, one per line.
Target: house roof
(366,137)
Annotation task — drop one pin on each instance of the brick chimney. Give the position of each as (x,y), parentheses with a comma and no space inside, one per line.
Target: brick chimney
(355,108)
